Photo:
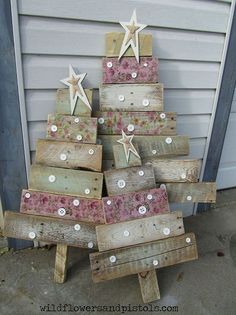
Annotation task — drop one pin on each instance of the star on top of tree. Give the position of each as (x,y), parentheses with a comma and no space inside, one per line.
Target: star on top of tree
(128,146)
(131,38)
(74,81)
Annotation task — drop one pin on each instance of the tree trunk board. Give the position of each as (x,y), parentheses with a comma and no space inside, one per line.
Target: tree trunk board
(120,158)
(61,263)
(149,286)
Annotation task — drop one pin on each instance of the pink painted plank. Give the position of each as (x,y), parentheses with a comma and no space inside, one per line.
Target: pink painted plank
(47,204)
(120,71)
(135,205)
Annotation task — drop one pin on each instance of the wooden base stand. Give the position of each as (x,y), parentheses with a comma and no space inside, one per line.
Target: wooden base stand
(61,263)
(149,286)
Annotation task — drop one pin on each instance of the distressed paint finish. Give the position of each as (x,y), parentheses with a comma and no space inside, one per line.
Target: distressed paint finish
(120,158)
(121,71)
(51,230)
(63,103)
(126,207)
(68,154)
(67,181)
(133,97)
(69,129)
(111,236)
(46,204)
(132,179)
(142,123)
(114,42)
(139,258)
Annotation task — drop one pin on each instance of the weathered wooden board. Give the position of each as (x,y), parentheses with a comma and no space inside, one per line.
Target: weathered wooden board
(191,192)
(148,146)
(123,234)
(68,154)
(149,286)
(66,181)
(135,205)
(61,263)
(176,170)
(137,123)
(128,70)
(52,230)
(120,158)
(131,97)
(114,42)
(144,257)
(79,129)
(62,206)
(131,179)
(63,103)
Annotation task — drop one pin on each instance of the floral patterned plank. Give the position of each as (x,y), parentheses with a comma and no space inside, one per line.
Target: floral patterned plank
(72,128)
(61,206)
(128,70)
(138,123)
(135,205)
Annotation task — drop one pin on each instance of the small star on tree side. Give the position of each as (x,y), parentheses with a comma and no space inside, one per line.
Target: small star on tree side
(131,38)
(74,81)
(128,146)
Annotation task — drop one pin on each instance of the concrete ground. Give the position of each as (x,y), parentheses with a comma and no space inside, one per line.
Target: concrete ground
(202,287)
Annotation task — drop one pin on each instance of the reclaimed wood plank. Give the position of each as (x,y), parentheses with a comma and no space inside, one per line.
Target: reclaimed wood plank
(114,40)
(78,129)
(128,70)
(131,179)
(137,123)
(135,205)
(175,170)
(143,257)
(68,154)
(149,286)
(120,158)
(63,103)
(123,234)
(62,206)
(66,181)
(61,263)
(131,97)
(51,230)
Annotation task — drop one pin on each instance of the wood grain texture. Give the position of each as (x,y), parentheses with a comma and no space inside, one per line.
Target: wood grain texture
(67,181)
(121,70)
(51,230)
(61,263)
(123,234)
(191,192)
(148,146)
(63,103)
(139,258)
(76,208)
(149,286)
(126,207)
(120,158)
(132,180)
(175,170)
(114,42)
(143,123)
(68,154)
(69,129)
(134,94)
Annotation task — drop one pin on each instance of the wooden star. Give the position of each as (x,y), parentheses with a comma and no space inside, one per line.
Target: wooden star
(131,38)
(126,141)
(74,81)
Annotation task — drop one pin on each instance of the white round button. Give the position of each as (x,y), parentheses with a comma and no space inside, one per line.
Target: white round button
(162,115)
(87,191)
(79,137)
(91,151)
(76,202)
(76,120)
(63,157)
(154,152)
(108,202)
(155,262)
(27,195)
(163,186)
(121,183)
(61,211)
(189,198)
(112,259)
(121,98)
(183,176)
(134,75)
(101,120)
(130,127)
(188,239)
(141,173)
(168,140)
(90,244)
(142,210)
(166,231)
(52,178)
(53,128)
(145,64)
(77,227)
(109,64)
(126,233)
(32,235)
(146,102)
(149,197)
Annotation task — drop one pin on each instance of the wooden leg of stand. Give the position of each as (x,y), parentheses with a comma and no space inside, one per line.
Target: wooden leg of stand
(149,286)
(61,263)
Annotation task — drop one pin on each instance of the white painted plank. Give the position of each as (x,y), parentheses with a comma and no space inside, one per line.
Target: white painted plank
(184,14)
(54,36)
